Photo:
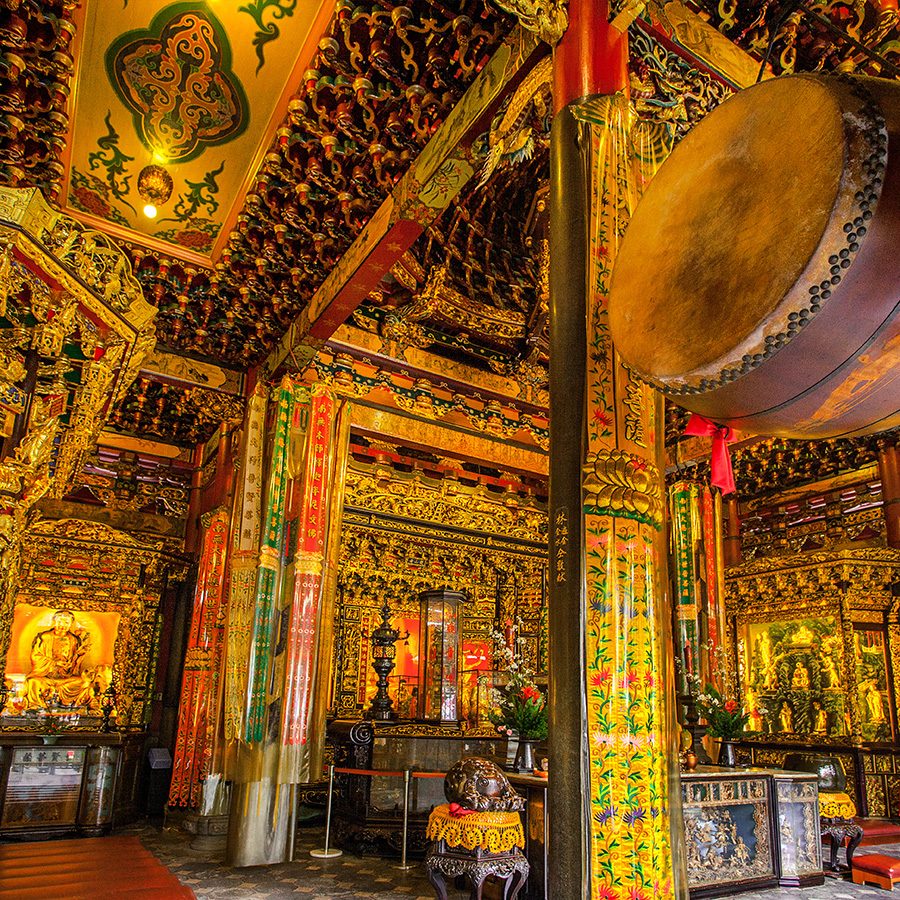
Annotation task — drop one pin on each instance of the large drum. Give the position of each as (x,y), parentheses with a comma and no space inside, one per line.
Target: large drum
(758,281)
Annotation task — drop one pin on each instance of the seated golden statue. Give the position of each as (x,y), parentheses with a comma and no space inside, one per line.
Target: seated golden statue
(58,676)
(800,681)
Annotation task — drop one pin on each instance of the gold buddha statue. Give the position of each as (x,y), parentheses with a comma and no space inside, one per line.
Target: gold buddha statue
(57,665)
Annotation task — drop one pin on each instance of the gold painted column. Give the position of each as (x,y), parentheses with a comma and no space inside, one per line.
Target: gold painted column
(284,734)
(613,792)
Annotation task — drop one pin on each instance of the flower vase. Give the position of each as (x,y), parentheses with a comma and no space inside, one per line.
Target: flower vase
(727,758)
(523,764)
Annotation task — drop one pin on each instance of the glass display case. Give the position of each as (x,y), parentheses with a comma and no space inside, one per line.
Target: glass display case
(68,783)
(800,839)
(439,655)
(43,787)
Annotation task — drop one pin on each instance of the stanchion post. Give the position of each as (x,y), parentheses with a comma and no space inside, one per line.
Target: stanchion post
(328,853)
(406,779)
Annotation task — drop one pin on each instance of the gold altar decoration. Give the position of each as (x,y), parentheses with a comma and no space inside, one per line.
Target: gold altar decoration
(495,832)
(86,616)
(60,657)
(812,636)
(432,401)
(78,329)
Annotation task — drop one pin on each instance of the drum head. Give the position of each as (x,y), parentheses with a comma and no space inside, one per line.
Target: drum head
(726,228)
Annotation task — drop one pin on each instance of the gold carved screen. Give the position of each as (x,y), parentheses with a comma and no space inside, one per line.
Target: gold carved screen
(816,644)
(403,534)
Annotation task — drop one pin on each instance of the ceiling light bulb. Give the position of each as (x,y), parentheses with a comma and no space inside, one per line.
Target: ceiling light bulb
(150,211)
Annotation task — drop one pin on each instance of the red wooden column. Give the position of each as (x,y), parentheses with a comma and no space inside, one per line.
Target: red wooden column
(732,531)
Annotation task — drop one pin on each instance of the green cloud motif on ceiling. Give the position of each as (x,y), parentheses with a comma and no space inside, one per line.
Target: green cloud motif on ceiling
(176,79)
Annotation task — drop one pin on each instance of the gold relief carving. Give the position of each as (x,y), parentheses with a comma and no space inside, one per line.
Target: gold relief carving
(440,301)
(545,18)
(268,558)
(81,290)
(419,729)
(875,796)
(709,46)
(48,338)
(84,565)
(378,564)
(561,542)
(403,333)
(308,563)
(218,407)
(197,658)
(792,581)
(620,484)
(436,402)
(419,498)
(634,403)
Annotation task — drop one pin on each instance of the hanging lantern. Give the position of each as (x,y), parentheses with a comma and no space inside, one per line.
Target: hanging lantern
(154,188)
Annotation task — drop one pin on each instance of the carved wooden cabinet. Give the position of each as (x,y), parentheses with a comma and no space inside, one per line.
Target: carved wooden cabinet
(750,829)
(79,783)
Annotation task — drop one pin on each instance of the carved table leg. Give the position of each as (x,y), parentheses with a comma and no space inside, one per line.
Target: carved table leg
(477,885)
(855,835)
(438,882)
(515,884)
(835,844)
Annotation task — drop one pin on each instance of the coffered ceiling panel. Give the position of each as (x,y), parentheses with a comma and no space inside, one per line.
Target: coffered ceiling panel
(195,90)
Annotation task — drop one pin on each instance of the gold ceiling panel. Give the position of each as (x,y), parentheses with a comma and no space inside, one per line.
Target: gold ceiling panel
(197,89)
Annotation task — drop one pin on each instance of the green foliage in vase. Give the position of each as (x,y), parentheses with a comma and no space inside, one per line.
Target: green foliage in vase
(519,707)
(725,717)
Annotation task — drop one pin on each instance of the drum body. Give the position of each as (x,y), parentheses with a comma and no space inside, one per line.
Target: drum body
(758,281)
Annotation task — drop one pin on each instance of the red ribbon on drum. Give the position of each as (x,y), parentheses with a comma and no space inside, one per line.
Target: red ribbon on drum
(721,473)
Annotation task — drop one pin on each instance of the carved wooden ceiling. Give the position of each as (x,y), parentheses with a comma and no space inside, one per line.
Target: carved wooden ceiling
(305,127)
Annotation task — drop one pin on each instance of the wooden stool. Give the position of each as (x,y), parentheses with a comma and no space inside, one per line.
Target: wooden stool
(877,869)
(478,845)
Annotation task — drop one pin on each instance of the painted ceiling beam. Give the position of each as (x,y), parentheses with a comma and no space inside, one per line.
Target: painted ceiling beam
(394,426)
(443,168)
(702,45)
(173,368)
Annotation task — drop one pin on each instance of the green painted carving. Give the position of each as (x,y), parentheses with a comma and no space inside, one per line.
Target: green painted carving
(197,232)
(267,32)
(175,78)
(111,158)
(190,201)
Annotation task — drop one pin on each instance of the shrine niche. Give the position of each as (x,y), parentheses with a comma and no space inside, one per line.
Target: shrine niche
(83,634)
(792,670)
(817,644)
(60,658)
(870,659)
(448,535)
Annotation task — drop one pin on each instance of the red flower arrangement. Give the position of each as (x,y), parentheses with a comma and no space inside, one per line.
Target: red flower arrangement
(520,708)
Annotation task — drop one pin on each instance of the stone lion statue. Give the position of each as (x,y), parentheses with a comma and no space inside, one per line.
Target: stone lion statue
(480,785)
